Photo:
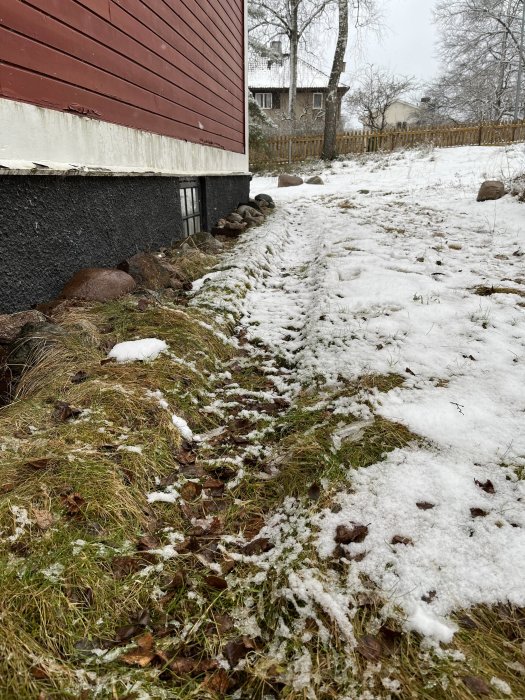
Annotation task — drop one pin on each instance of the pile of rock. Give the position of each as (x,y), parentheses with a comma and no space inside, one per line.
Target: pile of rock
(251,214)
(285,180)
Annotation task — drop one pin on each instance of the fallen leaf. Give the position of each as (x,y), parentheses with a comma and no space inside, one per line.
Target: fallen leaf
(186,457)
(476,685)
(217,682)
(145,642)
(314,492)
(409,371)
(486,486)
(193,667)
(63,411)
(147,542)
(347,535)
(7,487)
(43,518)
(190,491)
(399,539)
(39,672)
(124,634)
(216,582)
(429,597)
(73,502)
(424,505)
(478,512)
(237,649)
(228,565)
(370,647)
(214,484)
(79,377)
(80,596)
(138,657)
(174,583)
(258,546)
(42,463)
(190,544)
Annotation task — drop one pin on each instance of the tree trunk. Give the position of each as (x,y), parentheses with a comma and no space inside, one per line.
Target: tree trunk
(294,44)
(332,104)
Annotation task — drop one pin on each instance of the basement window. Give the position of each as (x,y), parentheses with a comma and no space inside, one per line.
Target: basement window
(318,100)
(190,206)
(264,99)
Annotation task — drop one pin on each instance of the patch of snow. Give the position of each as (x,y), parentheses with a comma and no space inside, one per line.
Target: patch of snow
(182,427)
(131,350)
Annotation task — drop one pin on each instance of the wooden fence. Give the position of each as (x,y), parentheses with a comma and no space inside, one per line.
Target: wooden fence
(291,149)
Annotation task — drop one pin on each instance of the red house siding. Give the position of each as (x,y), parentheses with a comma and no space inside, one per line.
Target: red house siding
(172,67)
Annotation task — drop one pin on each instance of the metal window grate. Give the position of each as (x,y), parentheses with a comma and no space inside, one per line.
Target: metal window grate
(191,206)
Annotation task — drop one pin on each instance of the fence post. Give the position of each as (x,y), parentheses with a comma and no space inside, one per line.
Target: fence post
(289,149)
(480,139)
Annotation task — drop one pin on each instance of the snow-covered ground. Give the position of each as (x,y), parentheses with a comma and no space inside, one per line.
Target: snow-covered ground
(375,272)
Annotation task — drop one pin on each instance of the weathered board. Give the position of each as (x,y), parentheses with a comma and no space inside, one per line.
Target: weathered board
(172,67)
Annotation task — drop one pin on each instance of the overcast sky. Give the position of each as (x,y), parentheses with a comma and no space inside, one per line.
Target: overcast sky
(408,41)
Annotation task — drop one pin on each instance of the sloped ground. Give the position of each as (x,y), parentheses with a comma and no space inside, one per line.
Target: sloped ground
(344,516)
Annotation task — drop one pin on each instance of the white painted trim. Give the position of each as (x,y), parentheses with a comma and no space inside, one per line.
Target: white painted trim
(69,142)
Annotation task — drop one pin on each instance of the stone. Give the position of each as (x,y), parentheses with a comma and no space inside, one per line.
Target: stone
(234,218)
(12,324)
(315,180)
(248,212)
(265,198)
(147,270)
(98,284)
(289,180)
(205,242)
(491,189)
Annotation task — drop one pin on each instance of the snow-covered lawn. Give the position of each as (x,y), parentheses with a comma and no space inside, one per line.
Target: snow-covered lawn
(375,273)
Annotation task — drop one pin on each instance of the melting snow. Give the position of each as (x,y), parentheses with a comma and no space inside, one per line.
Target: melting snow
(131,350)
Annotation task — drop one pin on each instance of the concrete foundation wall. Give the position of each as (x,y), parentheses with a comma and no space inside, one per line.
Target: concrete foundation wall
(51,226)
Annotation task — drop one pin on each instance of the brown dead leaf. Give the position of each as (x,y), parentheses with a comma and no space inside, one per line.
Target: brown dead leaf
(217,682)
(185,666)
(478,512)
(347,535)
(237,649)
(63,411)
(258,546)
(147,542)
(145,642)
(424,505)
(190,491)
(370,647)
(186,456)
(79,377)
(486,486)
(409,371)
(73,502)
(216,582)
(7,487)
(314,492)
(38,464)
(476,685)
(214,484)
(253,527)
(429,597)
(43,518)
(124,634)
(399,539)
(137,657)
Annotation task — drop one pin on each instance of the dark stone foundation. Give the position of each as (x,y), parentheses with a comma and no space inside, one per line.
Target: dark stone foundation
(52,225)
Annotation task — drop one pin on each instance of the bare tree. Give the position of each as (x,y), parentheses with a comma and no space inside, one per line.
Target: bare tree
(291,19)
(378,90)
(482,53)
(332,98)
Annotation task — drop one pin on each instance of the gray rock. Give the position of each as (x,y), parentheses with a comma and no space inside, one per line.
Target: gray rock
(491,189)
(205,242)
(12,324)
(98,284)
(265,198)
(289,180)
(147,270)
(248,212)
(234,218)
(315,180)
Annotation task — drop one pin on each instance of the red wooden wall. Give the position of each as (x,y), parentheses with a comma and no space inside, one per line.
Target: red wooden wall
(173,67)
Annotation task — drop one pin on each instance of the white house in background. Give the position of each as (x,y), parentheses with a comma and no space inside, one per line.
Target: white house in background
(401,115)
(269,82)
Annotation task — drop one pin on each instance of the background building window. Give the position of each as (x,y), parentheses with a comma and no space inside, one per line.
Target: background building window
(264,99)
(191,206)
(318,100)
